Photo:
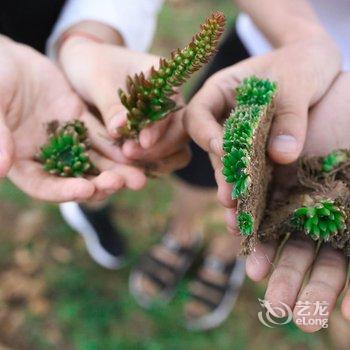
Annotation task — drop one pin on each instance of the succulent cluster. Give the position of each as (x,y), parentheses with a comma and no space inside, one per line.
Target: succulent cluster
(238,142)
(65,154)
(245,223)
(334,159)
(255,91)
(148,99)
(320,221)
(253,97)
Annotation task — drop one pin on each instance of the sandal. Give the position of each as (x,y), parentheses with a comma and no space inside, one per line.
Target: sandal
(164,275)
(218,299)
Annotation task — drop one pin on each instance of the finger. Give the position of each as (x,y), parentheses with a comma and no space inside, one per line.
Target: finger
(99,196)
(102,93)
(174,162)
(326,283)
(289,128)
(287,277)
(345,306)
(100,139)
(30,177)
(231,221)
(224,188)
(260,261)
(6,148)
(203,114)
(150,135)
(172,141)
(114,176)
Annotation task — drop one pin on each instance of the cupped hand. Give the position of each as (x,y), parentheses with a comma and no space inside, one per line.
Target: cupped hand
(301,275)
(96,71)
(33,93)
(303,71)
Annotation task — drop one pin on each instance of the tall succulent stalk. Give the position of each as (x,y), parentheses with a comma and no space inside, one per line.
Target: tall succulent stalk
(149,97)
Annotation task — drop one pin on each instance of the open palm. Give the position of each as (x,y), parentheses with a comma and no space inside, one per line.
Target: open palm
(34,92)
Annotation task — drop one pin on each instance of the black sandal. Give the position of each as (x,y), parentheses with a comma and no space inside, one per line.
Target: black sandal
(161,273)
(219,299)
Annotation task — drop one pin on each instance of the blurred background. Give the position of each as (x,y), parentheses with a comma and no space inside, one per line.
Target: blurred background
(53,296)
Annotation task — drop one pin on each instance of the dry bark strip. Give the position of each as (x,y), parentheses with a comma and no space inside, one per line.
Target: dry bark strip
(260,172)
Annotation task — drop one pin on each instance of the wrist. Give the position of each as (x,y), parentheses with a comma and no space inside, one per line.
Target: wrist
(92,31)
(318,46)
(308,32)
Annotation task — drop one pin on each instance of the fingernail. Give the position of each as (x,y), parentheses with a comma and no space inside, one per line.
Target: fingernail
(215,146)
(284,144)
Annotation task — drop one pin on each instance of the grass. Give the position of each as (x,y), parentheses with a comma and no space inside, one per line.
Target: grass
(54,297)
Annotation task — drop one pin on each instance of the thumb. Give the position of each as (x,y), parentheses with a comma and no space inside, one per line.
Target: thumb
(113,113)
(288,130)
(6,148)
(201,118)
(94,81)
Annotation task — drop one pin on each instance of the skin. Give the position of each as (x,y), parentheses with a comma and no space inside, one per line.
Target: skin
(31,96)
(97,70)
(288,21)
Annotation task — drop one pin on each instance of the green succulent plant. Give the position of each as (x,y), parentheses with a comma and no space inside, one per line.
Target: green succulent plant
(255,91)
(238,138)
(65,154)
(331,161)
(253,96)
(245,223)
(320,221)
(148,99)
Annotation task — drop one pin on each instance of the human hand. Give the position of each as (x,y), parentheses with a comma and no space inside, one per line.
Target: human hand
(96,71)
(329,123)
(33,95)
(303,70)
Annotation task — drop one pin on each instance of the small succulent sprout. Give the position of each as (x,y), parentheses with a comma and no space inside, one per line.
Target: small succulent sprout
(334,159)
(320,221)
(246,223)
(255,91)
(241,186)
(65,154)
(148,98)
